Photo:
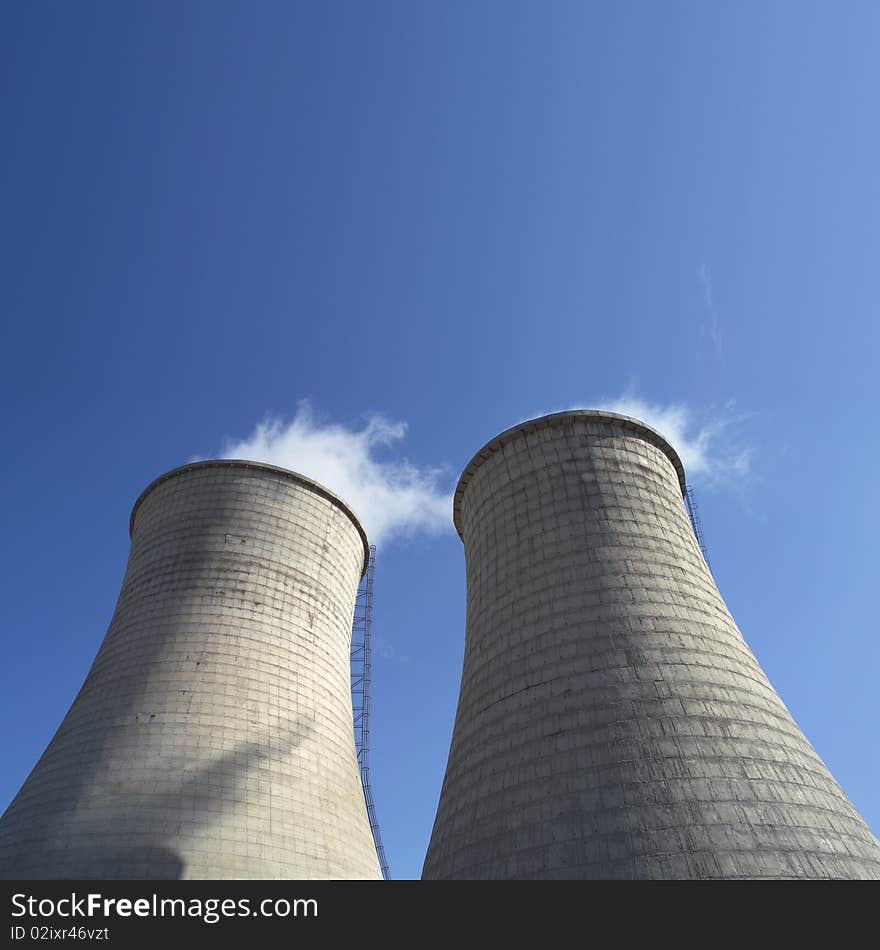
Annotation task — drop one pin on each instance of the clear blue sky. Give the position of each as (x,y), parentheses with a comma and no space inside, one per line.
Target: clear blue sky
(457,214)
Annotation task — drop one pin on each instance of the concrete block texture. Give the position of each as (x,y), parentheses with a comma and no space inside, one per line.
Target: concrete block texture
(212,737)
(612,721)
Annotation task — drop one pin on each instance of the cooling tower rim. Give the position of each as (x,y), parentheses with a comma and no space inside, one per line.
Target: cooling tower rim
(296,477)
(552,420)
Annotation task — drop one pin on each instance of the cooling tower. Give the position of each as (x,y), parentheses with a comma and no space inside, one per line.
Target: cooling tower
(612,722)
(212,737)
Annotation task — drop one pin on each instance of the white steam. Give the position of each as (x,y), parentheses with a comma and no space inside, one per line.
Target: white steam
(704,441)
(393,497)
(390,497)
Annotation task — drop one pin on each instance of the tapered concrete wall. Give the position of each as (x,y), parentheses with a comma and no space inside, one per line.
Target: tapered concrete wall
(213,735)
(612,721)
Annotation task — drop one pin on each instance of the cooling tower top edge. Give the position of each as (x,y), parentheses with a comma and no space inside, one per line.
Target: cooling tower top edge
(303,480)
(557,419)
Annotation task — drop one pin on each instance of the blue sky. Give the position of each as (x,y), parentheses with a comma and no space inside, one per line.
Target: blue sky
(451,216)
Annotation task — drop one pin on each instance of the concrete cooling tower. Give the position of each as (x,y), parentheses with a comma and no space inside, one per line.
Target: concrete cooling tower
(612,722)
(212,737)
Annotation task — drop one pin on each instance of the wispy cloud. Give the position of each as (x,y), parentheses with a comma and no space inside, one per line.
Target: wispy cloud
(388,651)
(706,281)
(712,327)
(392,497)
